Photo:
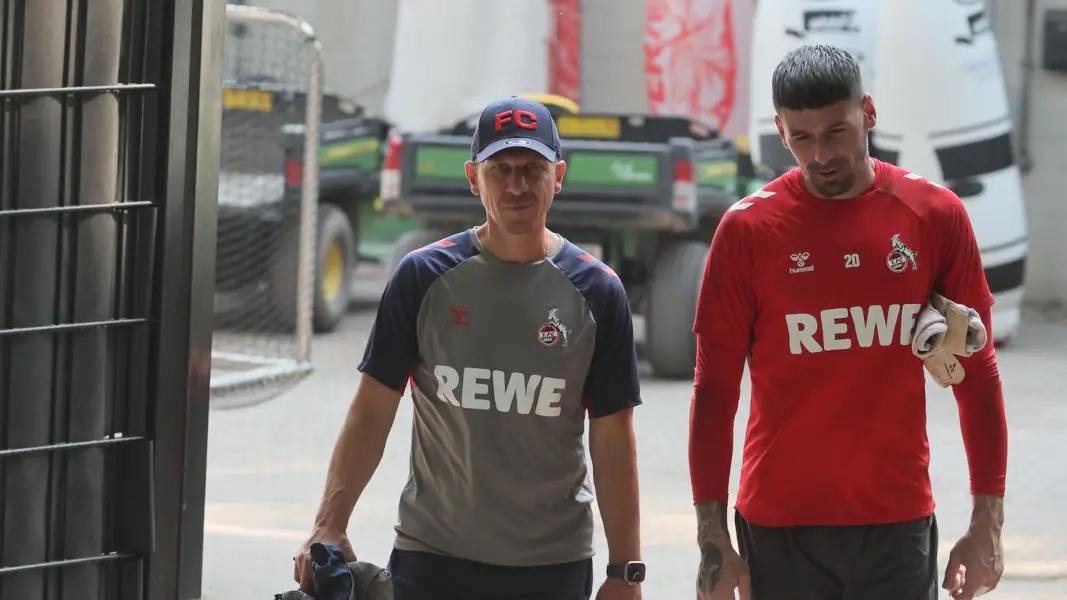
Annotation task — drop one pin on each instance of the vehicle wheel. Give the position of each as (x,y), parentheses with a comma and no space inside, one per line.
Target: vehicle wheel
(672,299)
(335,260)
(410,241)
(335,256)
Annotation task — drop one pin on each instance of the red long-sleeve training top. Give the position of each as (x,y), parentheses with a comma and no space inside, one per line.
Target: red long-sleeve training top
(821,297)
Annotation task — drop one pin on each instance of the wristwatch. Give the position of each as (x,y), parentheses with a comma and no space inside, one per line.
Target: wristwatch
(632,572)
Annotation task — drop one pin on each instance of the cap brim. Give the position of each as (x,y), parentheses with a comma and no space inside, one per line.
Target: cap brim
(522,143)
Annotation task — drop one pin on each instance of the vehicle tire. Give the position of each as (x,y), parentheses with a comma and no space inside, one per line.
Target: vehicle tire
(408,242)
(673,287)
(335,257)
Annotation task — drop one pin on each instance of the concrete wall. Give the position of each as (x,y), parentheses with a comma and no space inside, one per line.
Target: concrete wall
(1046,183)
(613,56)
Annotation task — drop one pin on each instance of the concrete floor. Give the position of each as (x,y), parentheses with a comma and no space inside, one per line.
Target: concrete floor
(267,463)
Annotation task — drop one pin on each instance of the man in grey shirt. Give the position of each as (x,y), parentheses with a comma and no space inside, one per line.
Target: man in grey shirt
(509,336)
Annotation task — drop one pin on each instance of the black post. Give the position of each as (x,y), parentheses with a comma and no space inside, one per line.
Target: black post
(185,295)
(210,38)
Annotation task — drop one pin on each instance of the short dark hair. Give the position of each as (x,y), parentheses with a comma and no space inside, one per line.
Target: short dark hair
(813,77)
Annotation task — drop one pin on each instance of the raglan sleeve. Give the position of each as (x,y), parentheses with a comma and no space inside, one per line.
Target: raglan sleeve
(393,348)
(612,383)
(726,304)
(961,277)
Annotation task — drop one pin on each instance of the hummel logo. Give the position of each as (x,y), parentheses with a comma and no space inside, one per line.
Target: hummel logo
(801,260)
(459,316)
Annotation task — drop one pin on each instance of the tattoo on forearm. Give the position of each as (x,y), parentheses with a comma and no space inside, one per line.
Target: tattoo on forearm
(711,522)
(710,568)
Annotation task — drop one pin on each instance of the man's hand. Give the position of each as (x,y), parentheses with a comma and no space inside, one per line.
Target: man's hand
(617,589)
(976,562)
(721,569)
(302,561)
(721,572)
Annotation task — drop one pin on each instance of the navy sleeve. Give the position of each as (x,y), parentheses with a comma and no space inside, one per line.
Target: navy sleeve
(393,347)
(612,383)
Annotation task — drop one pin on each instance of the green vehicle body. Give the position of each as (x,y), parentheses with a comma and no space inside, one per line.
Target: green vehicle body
(597,169)
(363,154)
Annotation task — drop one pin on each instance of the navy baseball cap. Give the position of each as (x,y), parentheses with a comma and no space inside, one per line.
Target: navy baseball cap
(515,123)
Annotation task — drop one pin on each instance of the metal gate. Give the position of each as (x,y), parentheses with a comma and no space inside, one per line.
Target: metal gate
(268,196)
(109,116)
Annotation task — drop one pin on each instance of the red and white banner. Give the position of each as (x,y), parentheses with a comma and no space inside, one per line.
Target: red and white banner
(565,49)
(696,60)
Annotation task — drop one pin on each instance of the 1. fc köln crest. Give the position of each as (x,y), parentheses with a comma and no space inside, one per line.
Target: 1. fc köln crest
(554,331)
(900,256)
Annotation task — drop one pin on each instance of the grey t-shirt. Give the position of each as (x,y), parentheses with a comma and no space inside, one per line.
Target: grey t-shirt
(505,361)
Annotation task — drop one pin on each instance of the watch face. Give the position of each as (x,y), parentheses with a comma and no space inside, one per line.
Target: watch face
(635,572)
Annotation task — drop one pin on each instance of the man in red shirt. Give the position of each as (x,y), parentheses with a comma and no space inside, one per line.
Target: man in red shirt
(818,280)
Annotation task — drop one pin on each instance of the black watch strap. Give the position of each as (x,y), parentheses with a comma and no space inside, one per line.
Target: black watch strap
(630,572)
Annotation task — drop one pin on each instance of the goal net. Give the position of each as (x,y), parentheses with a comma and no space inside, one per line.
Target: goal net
(267,200)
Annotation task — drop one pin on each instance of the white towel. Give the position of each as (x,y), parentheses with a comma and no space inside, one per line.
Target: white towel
(929,344)
(929,333)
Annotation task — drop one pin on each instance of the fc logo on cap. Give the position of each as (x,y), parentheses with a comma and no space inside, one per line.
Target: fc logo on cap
(521,118)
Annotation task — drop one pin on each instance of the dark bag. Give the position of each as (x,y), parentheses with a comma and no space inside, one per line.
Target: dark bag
(337,580)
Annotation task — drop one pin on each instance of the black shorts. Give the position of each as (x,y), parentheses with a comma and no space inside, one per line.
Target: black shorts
(425,576)
(897,561)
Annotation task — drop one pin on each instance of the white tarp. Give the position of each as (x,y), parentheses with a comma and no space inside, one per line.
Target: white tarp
(452,57)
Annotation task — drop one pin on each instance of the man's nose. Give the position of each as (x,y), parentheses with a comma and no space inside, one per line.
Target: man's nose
(516,181)
(823,153)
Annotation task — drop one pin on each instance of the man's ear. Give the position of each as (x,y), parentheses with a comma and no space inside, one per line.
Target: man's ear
(870,115)
(471,168)
(561,170)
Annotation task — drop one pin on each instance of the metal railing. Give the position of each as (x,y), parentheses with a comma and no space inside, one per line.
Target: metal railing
(77,232)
